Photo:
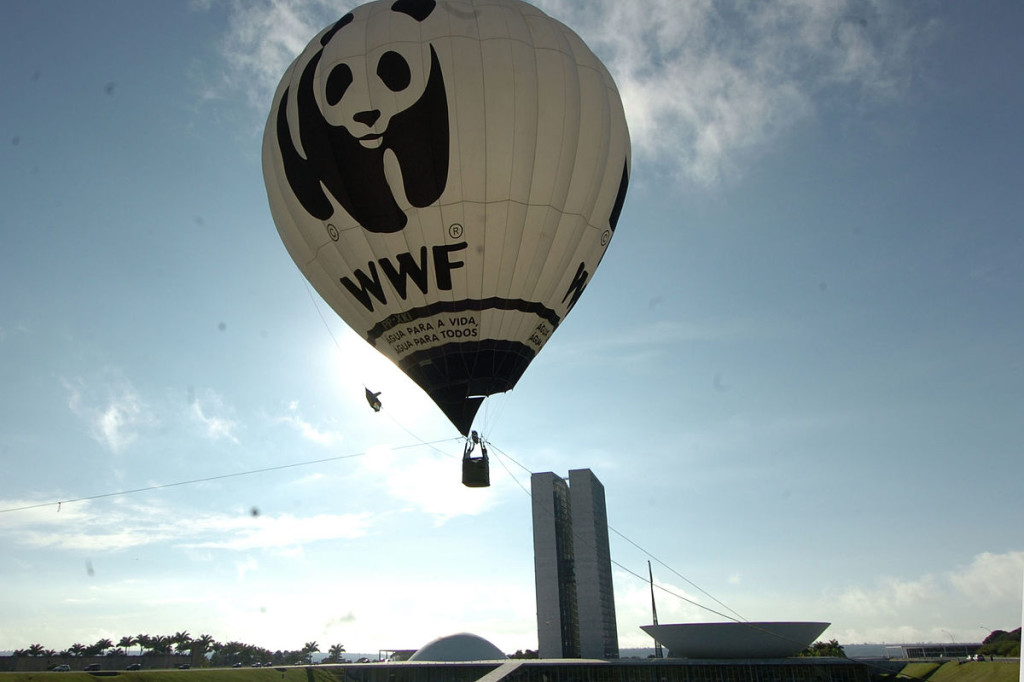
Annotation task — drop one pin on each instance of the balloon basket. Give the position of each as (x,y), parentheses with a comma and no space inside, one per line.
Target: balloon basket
(476,472)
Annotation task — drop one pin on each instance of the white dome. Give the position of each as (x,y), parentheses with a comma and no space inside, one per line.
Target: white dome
(459,647)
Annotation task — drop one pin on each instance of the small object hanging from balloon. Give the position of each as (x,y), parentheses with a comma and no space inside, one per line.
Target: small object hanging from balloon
(374,401)
(447,175)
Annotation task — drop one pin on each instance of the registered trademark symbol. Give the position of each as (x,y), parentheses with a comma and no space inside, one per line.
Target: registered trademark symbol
(455,231)
(333,232)
(605,237)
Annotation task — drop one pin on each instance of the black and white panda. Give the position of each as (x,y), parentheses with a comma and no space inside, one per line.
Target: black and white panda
(360,113)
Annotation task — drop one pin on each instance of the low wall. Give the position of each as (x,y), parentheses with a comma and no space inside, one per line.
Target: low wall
(41,663)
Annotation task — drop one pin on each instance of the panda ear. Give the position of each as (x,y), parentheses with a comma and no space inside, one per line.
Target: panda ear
(417,9)
(344,21)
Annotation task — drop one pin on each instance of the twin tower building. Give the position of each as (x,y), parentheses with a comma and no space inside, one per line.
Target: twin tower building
(572,567)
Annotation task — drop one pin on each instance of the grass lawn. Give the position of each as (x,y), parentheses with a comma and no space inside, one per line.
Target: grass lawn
(978,671)
(919,671)
(975,671)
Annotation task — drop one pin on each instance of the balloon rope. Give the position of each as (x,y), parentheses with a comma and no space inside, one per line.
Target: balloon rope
(423,442)
(207,479)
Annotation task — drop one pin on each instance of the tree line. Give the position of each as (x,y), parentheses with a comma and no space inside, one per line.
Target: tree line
(1001,643)
(829,649)
(202,649)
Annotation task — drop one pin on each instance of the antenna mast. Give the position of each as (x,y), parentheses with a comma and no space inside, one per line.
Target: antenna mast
(654,610)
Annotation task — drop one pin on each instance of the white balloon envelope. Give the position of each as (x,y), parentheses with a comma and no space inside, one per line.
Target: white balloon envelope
(447,175)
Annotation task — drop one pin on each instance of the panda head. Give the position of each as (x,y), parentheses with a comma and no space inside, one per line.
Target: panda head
(362,90)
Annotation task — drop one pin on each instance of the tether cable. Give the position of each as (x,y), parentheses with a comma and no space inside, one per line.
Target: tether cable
(206,479)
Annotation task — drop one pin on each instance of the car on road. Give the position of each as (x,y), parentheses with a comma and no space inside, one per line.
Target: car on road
(91,667)
(134,666)
(184,666)
(63,668)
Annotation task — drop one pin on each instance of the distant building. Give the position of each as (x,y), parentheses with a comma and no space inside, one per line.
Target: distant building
(572,567)
(951,650)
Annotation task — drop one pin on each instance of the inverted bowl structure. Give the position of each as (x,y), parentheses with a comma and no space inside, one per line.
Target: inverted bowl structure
(735,640)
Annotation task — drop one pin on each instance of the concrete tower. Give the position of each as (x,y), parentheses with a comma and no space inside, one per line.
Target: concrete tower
(572,567)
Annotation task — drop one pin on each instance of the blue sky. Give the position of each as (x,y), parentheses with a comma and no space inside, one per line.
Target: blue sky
(799,371)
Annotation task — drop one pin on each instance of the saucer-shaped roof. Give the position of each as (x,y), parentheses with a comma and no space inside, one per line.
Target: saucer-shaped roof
(736,640)
(459,647)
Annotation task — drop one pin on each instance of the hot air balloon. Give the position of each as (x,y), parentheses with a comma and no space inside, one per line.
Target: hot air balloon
(447,175)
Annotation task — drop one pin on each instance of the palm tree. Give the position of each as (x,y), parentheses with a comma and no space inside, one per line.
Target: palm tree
(143,641)
(35,650)
(161,644)
(309,649)
(200,645)
(229,652)
(335,652)
(127,642)
(76,649)
(100,646)
(182,642)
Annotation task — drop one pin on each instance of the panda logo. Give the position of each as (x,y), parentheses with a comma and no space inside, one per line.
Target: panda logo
(360,117)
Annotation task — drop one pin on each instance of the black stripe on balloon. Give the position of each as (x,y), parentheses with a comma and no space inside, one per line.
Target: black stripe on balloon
(493,303)
(620,197)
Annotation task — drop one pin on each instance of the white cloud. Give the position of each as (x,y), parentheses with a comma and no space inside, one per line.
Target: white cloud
(307,430)
(705,84)
(112,409)
(428,480)
(280,532)
(247,566)
(380,610)
(931,607)
(211,412)
(116,413)
(991,577)
(89,527)
(889,598)
(264,36)
(82,527)
(956,603)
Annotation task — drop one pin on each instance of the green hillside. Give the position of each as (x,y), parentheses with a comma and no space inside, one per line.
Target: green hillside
(918,671)
(975,671)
